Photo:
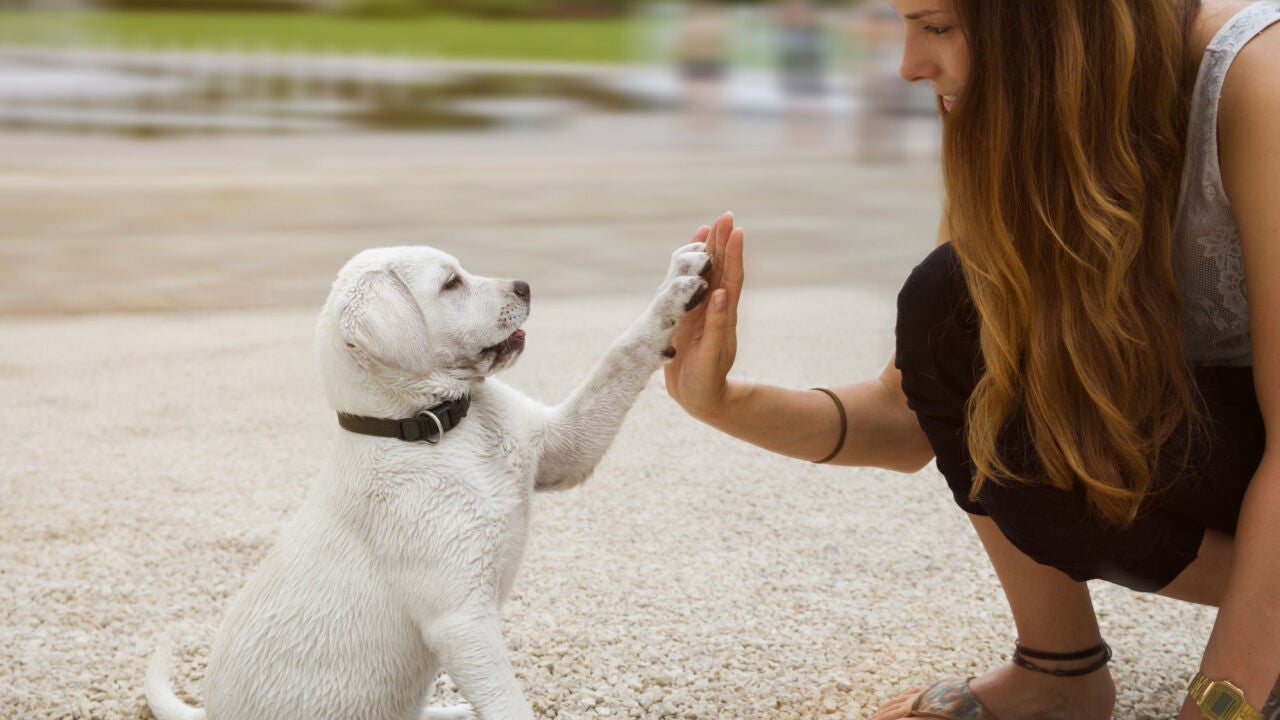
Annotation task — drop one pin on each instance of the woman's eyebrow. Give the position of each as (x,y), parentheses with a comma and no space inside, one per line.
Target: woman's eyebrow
(921,14)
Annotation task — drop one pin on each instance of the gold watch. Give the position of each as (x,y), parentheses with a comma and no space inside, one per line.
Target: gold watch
(1220,700)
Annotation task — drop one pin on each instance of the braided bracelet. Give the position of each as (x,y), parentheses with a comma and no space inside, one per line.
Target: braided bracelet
(1020,655)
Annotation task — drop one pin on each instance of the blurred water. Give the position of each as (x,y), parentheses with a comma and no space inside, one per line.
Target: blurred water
(790,63)
(167,93)
(147,92)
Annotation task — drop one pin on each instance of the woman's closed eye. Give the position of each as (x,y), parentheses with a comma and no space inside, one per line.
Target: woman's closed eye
(937,29)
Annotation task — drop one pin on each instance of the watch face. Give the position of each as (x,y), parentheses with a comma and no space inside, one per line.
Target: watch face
(1222,703)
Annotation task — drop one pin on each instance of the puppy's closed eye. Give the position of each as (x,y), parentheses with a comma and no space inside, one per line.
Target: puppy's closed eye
(454,281)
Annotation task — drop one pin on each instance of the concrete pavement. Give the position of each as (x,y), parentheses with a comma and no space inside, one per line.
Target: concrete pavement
(95,223)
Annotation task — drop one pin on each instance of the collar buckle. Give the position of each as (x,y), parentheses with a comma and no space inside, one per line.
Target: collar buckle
(416,428)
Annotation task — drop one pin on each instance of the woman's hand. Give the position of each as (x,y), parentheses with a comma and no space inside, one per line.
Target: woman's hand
(706,341)
(879,428)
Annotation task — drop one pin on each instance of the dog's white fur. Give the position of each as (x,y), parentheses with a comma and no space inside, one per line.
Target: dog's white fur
(394,567)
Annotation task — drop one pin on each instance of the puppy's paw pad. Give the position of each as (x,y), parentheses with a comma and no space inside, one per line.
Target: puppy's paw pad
(694,264)
(679,296)
(698,296)
(705,272)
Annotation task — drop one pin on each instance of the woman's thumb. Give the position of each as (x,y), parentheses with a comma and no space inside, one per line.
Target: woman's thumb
(713,328)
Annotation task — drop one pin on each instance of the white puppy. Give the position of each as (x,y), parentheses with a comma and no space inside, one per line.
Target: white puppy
(393,569)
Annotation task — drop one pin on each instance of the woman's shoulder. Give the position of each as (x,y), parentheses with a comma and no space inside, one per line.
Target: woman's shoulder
(1251,85)
(1211,16)
(1249,138)
(1214,14)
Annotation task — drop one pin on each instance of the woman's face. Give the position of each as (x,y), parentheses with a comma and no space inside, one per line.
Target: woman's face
(935,49)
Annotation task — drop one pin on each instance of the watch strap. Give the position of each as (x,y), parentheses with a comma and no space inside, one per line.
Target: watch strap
(1202,692)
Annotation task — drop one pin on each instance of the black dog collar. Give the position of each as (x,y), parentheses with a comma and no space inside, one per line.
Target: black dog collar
(428,425)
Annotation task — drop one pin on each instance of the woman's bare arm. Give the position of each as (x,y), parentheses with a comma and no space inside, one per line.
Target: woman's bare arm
(881,429)
(1245,644)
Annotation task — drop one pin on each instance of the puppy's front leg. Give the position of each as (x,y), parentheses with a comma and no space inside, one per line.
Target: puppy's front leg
(471,651)
(578,431)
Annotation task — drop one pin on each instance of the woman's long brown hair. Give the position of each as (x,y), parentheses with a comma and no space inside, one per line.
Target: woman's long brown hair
(1062,160)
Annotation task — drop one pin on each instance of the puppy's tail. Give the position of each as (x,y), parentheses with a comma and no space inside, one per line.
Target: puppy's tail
(165,705)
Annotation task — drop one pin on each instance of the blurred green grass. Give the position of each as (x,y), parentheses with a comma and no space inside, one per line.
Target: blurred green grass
(607,41)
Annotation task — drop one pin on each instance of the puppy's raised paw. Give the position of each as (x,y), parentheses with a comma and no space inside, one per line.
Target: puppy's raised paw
(683,290)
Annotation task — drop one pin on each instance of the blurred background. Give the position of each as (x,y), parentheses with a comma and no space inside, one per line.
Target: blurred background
(161,155)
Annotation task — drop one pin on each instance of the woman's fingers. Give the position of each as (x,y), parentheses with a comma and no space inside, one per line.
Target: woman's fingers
(726,227)
(732,273)
(720,231)
(726,288)
(700,235)
(713,331)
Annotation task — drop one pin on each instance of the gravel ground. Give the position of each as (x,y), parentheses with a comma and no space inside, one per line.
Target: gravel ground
(149,460)
(157,301)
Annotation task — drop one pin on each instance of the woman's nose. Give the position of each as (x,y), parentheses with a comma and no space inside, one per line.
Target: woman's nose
(916,67)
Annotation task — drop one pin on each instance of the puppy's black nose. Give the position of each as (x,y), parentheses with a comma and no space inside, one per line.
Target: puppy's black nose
(520,288)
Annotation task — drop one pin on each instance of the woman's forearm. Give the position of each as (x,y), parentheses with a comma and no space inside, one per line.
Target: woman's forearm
(1245,645)
(805,424)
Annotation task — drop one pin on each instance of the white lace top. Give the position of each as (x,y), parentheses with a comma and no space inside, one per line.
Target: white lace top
(1206,240)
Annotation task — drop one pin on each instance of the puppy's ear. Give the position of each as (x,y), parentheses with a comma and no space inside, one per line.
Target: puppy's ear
(383,319)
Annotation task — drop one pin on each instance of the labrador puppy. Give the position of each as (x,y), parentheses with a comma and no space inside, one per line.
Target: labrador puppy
(393,569)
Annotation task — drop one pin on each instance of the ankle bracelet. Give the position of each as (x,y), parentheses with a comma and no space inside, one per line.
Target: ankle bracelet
(1020,655)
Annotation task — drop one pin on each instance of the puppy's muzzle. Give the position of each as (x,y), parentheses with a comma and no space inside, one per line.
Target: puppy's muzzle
(514,342)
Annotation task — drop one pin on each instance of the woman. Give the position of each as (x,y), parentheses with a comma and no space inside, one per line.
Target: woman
(1083,359)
